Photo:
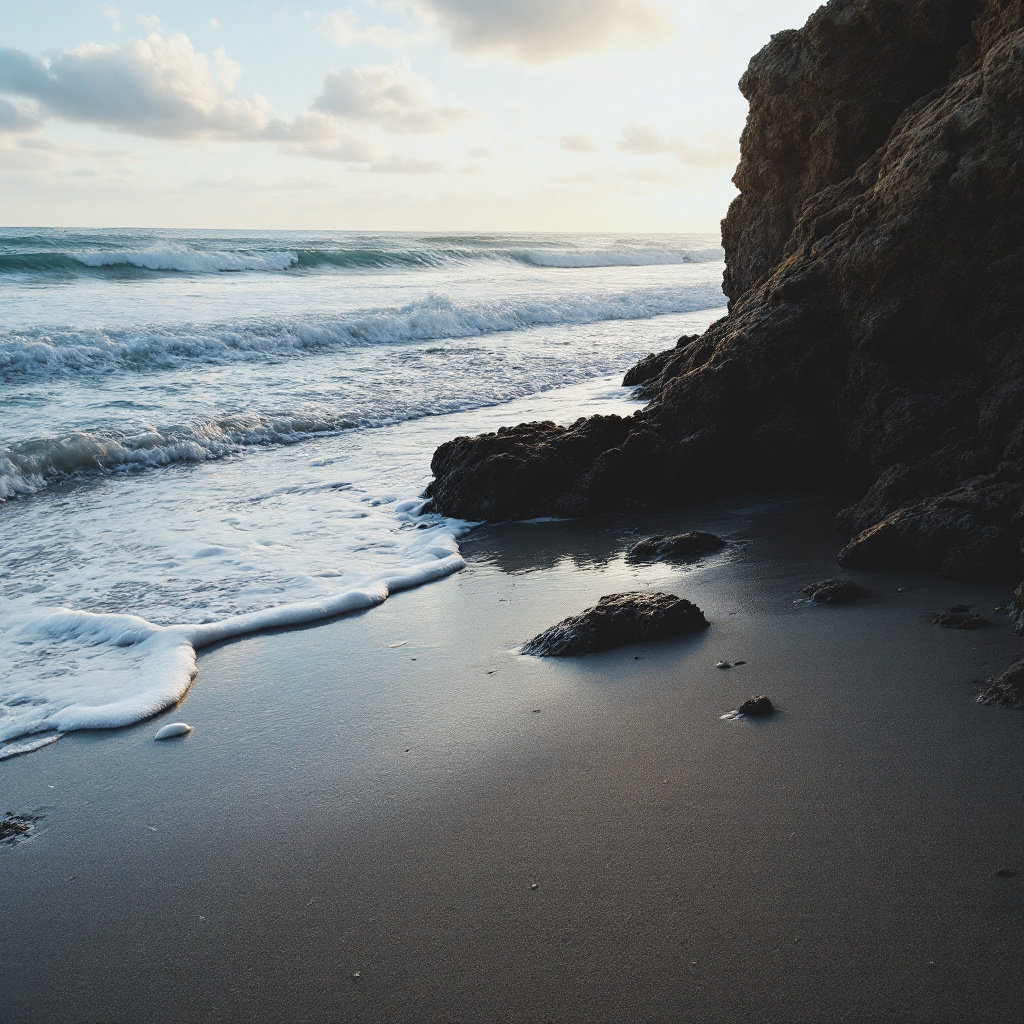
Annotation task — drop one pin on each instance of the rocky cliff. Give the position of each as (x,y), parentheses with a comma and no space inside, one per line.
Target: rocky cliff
(875,336)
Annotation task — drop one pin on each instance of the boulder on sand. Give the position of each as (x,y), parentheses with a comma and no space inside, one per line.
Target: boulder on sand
(617,620)
(682,547)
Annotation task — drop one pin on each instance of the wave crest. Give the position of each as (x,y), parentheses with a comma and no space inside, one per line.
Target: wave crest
(38,353)
(29,466)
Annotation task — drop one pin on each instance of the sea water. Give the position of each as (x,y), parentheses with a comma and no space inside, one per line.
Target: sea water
(203,434)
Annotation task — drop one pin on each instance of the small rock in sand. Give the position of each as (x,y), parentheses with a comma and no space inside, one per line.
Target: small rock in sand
(168,732)
(683,547)
(756,707)
(14,826)
(723,664)
(832,591)
(959,617)
(1006,873)
(617,620)
(1007,689)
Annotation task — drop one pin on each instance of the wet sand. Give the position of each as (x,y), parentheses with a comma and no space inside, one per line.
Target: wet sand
(446,831)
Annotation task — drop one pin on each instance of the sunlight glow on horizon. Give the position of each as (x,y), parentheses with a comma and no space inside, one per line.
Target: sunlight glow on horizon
(533,115)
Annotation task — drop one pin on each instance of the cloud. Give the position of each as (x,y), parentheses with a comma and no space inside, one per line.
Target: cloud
(391,97)
(15,119)
(155,87)
(537,31)
(162,88)
(342,28)
(306,138)
(578,144)
(643,140)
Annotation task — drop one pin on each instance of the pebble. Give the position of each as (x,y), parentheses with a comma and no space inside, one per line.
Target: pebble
(168,732)
(723,664)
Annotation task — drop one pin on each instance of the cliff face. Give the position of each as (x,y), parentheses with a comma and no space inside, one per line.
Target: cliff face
(875,339)
(822,101)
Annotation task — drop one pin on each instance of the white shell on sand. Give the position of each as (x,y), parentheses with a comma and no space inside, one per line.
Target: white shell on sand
(174,729)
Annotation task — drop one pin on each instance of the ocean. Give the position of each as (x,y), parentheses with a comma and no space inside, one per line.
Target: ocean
(203,434)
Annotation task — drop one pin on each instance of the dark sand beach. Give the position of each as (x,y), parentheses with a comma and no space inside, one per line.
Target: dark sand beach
(447,831)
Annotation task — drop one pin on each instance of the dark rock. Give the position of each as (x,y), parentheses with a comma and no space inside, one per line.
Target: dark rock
(960,617)
(756,707)
(1007,689)
(617,620)
(874,337)
(683,547)
(14,826)
(653,370)
(833,591)
(723,664)
(1006,873)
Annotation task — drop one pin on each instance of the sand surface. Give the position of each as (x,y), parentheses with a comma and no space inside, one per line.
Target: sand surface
(446,831)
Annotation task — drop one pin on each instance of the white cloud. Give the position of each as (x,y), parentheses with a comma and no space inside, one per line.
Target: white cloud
(391,97)
(578,144)
(157,87)
(343,29)
(306,137)
(151,22)
(227,70)
(537,31)
(214,23)
(643,140)
(163,88)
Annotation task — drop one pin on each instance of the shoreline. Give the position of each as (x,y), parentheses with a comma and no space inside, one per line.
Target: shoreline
(347,807)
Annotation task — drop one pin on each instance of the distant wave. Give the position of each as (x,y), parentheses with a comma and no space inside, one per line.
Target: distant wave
(173,259)
(187,261)
(41,353)
(625,258)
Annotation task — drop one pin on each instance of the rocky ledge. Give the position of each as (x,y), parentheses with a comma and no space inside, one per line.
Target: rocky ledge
(874,335)
(617,620)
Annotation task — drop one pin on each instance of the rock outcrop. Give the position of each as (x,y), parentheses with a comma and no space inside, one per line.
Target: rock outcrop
(1007,689)
(875,338)
(833,591)
(617,620)
(682,547)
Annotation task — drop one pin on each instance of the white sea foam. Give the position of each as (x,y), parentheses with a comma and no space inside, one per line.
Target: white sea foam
(51,353)
(582,259)
(107,671)
(189,261)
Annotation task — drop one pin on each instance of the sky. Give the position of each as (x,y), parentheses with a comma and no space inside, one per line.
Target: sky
(420,115)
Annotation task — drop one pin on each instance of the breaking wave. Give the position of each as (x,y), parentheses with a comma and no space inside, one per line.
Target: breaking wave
(26,467)
(41,353)
(182,259)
